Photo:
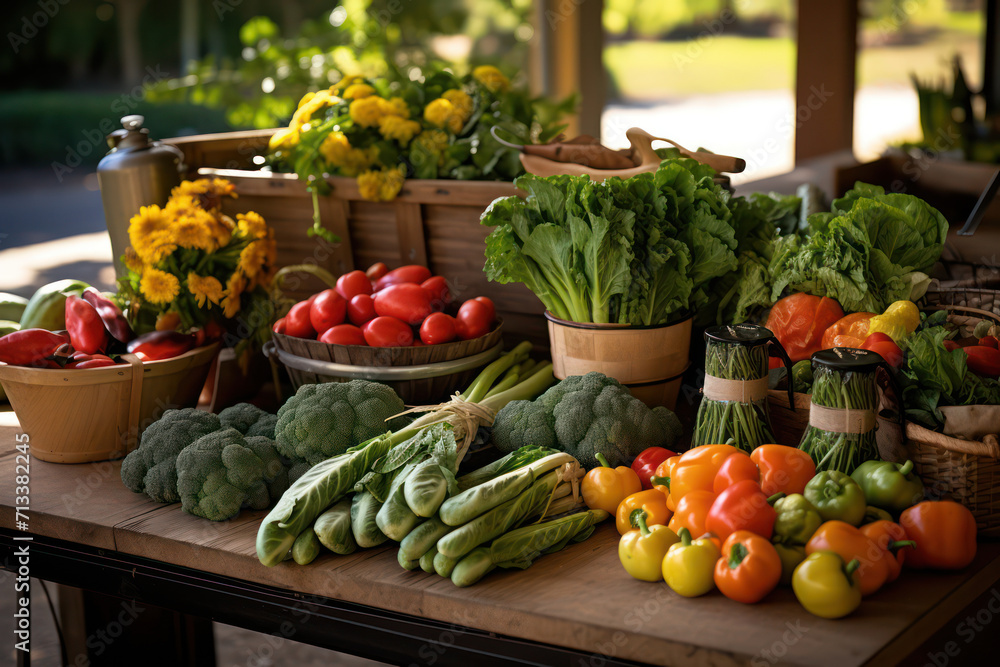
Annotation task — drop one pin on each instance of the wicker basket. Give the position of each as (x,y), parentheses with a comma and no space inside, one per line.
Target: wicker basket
(420,375)
(788,425)
(82,415)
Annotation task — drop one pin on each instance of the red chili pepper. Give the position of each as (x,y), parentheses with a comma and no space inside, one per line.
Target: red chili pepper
(983,360)
(990,341)
(743,506)
(158,345)
(90,361)
(111,315)
(86,329)
(950,345)
(30,347)
(646,462)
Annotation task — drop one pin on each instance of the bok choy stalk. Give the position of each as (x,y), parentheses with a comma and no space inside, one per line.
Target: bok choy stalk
(364,507)
(306,547)
(444,565)
(420,540)
(516,459)
(520,547)
(427,561)
(333,528)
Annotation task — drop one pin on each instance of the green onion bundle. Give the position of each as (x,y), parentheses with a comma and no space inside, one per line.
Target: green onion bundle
(747,423)
(853,390)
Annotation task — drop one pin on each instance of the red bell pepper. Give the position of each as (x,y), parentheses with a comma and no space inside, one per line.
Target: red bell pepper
(983,360)
(885,347)
(111,315)
(85,326)
(158,345)
(735,469)
(990,341)
(743,506)
(30,347)
(647,461)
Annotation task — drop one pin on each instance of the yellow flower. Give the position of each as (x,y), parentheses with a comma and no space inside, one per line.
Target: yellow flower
(400,129)
(203,193)
(234,288)
(442,113)
(132,260)
(358,91)
(461,101)
(287,137)
(191,232)
(149,221)
(252,224)
(206,289)
(434,142)
(396,106)
(346,82)
(335,148)
(310,104)
(158,286)
(368,111)
(221,228)
(381,185)
(491,78)
(252,258)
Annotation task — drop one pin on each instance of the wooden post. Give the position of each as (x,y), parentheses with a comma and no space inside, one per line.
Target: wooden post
(825,77)
(568,51)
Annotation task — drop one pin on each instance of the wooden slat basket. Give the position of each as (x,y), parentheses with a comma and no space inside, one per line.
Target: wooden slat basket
(431,222)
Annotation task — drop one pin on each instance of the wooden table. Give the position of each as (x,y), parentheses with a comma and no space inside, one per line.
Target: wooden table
(574,607)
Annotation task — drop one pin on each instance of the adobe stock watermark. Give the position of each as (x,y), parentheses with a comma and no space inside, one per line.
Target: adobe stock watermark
(787,125)
(968,629)
(32,23)
(94,138)
(101,640)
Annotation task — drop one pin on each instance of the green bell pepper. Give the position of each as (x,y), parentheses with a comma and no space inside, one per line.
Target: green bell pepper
(836,497)
(873,514)
(796,522)
(802,376)
(890,486)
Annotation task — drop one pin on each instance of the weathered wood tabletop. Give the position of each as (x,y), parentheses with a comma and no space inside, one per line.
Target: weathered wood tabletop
(579,598)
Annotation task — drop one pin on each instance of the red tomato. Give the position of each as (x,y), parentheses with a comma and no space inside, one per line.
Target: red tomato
(799,322)
(487,301)
(412,273)
(877,337)
(297,320)
(376,271)
(343,334)
(438,328)
(388,332)
(279,326)
(437,291)
(328,310)
(404,301)
(353,283)
(361,309)
(474,320)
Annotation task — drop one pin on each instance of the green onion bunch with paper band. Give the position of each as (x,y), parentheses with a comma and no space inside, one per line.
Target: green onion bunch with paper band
(734,405)
(841,431)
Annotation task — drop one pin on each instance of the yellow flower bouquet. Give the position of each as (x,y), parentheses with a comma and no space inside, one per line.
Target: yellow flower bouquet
(384,131)
(190,266)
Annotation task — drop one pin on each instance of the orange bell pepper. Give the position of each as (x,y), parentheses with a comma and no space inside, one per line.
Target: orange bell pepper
(696,469)
(661,477)
(783,469)
(605,487)
(849,331)
(892,538)
(735,469)
(945,533)
(651,503)
(749,568)
(692,510)
(850,543)
(741,507)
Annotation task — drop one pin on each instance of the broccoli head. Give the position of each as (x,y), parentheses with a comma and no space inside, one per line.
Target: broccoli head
(249,420)
(275,471)
(218,474)
(324,420)
(584,415)
(151,467)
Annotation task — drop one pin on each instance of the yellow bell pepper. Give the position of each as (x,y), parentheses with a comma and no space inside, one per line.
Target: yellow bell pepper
(689,566)
(604,487)
(827,587)
(651,504)
(641,551)
(898,321)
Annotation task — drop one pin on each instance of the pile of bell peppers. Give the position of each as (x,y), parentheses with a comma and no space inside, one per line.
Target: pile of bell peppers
(716,517)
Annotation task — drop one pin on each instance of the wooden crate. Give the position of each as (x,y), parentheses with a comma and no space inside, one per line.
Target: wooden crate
(431,222)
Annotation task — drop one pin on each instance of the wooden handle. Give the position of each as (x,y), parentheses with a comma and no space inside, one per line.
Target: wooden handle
(135,402)
(642,145)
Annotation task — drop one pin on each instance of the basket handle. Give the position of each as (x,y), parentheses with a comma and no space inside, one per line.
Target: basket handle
(135,402)
(967,309)
(774,345)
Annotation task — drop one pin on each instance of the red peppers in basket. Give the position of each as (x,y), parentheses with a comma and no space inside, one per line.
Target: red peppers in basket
(30,347)
(158,345)
(85,326)
(983,360)
(111,315)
